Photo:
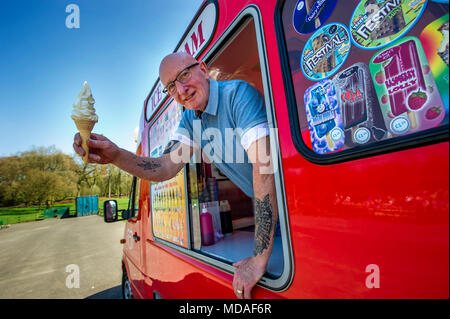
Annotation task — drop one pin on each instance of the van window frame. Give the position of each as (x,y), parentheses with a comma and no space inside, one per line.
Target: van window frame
(284,280)
(132,199)
(409,141)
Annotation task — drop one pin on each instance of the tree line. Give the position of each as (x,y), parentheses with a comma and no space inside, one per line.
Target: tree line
(43,176)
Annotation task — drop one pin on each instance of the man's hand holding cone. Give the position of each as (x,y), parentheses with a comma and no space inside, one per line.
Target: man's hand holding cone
(85,128)
(100,149)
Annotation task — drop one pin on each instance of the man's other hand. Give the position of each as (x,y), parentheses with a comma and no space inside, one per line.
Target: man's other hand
(248,272)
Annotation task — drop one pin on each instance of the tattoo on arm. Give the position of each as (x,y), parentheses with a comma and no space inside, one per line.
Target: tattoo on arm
(173,145)
(149,165)
(263,224)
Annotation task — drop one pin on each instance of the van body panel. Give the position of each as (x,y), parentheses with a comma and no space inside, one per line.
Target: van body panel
(373,227)
(341,233)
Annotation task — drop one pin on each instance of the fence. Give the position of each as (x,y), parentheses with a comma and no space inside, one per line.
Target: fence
(86,205)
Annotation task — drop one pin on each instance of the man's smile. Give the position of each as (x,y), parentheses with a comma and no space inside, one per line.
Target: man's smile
(189,97)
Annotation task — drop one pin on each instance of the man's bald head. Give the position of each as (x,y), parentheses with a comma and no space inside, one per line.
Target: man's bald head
(174,59)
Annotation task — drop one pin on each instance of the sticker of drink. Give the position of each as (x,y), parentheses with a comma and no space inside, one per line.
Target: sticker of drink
(324,117)
(361,114)
(404,90)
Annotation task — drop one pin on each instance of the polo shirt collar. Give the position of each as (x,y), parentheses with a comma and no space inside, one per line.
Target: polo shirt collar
(213,99)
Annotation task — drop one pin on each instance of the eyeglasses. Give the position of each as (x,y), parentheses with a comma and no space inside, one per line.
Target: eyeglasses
(182,77)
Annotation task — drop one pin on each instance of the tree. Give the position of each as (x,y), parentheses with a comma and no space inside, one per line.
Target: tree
(39,176)
(45,175)
(10,176)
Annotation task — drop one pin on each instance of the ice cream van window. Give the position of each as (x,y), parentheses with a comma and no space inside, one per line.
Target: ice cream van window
(232,212)
(365,73)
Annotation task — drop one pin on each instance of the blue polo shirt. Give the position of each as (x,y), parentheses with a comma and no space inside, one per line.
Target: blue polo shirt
(234,117)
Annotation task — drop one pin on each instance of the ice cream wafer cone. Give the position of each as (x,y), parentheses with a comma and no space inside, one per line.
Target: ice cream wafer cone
(85,128)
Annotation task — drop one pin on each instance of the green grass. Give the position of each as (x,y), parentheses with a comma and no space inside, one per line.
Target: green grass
(20,215)
(14,215)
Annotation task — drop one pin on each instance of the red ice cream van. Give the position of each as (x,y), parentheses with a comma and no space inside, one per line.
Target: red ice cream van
(356,94)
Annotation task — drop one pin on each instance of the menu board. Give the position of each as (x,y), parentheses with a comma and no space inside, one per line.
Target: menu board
(168,198)
(367,71)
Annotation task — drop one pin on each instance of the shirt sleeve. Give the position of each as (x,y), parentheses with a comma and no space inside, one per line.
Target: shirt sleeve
(249,113)
(183,133)
(254,134)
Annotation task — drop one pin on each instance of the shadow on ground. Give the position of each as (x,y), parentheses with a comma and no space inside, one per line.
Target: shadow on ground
(111,293)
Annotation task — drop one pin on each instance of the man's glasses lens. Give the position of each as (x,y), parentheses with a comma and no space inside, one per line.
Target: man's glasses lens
(171,89)
(184,76)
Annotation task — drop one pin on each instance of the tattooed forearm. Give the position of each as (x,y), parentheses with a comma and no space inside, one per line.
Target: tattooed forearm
(173,145)
(149,165)
(263,224)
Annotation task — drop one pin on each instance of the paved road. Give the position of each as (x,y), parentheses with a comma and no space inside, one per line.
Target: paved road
(34,257)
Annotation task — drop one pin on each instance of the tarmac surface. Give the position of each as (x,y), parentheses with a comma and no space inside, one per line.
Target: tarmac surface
(73,258)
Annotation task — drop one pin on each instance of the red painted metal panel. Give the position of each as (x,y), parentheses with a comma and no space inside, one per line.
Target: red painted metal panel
(388,210)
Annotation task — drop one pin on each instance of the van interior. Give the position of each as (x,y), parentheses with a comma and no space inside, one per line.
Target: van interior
(237,59)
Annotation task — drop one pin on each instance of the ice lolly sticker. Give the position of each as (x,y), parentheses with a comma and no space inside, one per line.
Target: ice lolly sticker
(324,118)
(325,51)
(434,39)
(408,96)
(376,23)
(361,114)
(309,15)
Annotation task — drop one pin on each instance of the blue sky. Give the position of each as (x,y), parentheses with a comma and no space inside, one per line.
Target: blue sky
(43,64)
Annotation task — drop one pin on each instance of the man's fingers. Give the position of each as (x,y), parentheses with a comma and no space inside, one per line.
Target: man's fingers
(236,285)
(94,157)
(78,149)
(98,144)
(98,137)
(247,292)
(239,292)
(77,139)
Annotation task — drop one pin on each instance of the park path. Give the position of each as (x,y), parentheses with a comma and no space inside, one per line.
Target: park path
(34,257)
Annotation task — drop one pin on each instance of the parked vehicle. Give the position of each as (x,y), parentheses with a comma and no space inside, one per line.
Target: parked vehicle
(356,94)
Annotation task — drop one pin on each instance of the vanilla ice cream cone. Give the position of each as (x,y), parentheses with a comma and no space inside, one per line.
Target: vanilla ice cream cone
(84,116)
(85,128)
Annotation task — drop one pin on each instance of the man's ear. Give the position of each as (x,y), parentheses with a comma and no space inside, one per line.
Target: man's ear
(204,68)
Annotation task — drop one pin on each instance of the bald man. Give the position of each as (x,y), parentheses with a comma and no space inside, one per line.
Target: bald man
(218,106)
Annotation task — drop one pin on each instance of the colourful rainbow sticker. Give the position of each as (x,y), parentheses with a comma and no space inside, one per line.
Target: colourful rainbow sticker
(434,40)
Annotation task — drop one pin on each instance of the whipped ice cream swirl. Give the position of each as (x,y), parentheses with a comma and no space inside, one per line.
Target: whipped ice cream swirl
(83,107)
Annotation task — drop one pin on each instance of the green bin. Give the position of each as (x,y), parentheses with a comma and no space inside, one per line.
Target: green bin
(59,212)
